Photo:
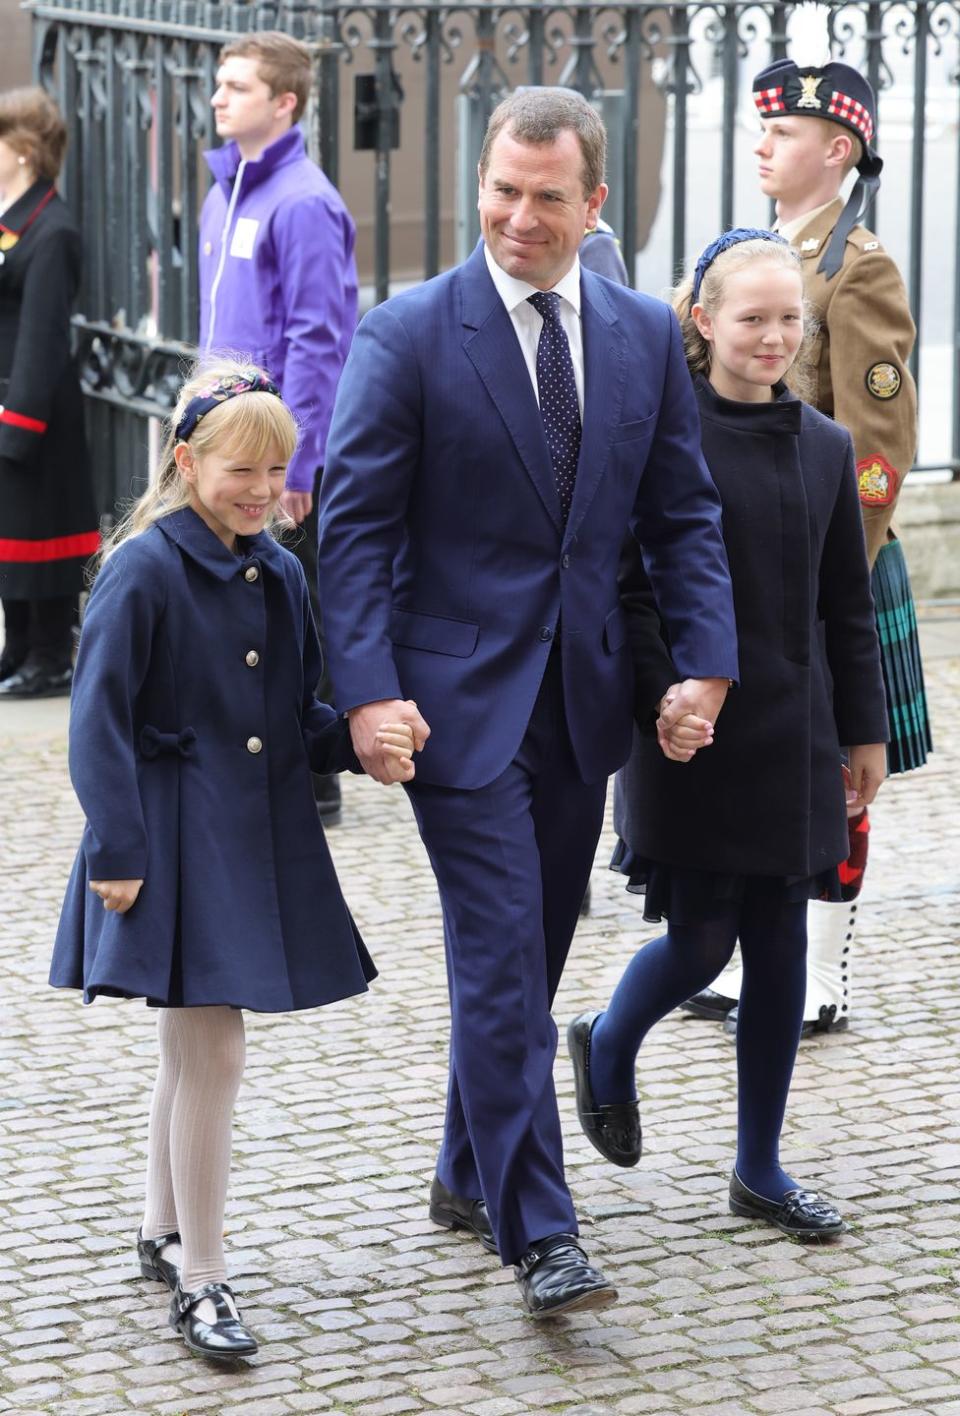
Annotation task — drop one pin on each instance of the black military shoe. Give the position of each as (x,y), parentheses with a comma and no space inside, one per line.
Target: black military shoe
(226,1337)
(555,1277)
(826,1022)
(454,1212)
(708,1004)
(801,1213)
(614,1127)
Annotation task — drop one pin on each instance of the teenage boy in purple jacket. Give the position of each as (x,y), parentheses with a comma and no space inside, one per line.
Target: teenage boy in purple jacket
(278,281)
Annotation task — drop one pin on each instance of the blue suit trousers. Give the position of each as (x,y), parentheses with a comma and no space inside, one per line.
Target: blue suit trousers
(512,861)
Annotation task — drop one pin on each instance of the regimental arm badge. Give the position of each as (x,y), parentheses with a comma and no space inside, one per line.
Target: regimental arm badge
(877,481)
(883,380)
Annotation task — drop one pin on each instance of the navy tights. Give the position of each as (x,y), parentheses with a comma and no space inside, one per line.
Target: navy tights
(662,974)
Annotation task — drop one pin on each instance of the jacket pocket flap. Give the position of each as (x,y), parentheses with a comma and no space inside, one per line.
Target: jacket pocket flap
(615,630)
(639,428)
(412,630)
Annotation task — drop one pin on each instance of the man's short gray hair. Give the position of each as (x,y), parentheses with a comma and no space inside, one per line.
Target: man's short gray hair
(539,116)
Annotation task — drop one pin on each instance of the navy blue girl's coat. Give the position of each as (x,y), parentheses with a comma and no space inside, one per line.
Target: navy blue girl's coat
(193,729)
(767,798)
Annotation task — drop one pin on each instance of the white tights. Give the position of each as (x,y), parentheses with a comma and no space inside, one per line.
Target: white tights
(202,1054)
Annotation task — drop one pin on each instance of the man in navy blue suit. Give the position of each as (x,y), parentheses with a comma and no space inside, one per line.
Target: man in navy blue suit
(497,433)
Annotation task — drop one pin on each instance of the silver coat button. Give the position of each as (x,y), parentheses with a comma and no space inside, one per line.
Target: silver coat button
(254,744)
(252,658)
(251,573)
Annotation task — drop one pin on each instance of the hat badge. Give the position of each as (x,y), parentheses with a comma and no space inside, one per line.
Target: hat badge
(809,83)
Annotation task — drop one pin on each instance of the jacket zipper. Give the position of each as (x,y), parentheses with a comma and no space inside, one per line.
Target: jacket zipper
(231,208)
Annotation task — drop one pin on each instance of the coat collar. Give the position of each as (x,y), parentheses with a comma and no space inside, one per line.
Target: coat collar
(783,414)
(224,162)
(194,538)
(492,346)
(19,213)
(812,236)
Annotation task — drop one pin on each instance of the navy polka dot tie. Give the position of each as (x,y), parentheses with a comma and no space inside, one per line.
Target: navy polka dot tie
(558,396)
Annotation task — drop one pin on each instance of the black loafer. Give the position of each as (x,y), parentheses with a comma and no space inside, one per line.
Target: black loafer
(555,1277)
(34,681)
(801,1213)
(613,1128)
(455,1212)
(225,1338)
(708,1004)
(825,1023)
(153,1264)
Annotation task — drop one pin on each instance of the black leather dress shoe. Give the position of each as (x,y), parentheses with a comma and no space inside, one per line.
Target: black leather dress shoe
(33,680)
(801,1213)
(455,1212)
(613,1128)
(153,1264)
(555,1277)
(226,1337)
(827,1022)
(708,1004)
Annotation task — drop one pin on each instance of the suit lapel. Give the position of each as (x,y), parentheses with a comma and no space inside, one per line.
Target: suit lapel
(604,374)
(492,346)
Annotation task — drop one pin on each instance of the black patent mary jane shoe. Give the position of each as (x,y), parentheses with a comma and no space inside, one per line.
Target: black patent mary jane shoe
(153,1264)
(555,1277)
(708,1004)
(614,1127)
(455,1212)
(801,1214)
(224,1338)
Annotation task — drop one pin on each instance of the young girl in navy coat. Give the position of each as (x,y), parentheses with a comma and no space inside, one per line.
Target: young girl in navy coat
(735,841)
(203,882)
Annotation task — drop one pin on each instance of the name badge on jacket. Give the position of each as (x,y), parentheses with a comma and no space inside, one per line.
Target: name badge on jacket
(244,236)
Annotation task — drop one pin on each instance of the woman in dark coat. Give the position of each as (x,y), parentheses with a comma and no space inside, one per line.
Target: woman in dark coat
(735,841)
(203,882)
(48,522)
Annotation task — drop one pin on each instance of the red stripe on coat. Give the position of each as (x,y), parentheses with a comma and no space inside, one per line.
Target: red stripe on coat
(56,548)
(20,420)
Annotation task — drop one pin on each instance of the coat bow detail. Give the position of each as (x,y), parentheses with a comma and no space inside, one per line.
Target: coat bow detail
(153,742)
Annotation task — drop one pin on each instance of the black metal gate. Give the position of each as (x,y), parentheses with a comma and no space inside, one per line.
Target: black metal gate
(134,78)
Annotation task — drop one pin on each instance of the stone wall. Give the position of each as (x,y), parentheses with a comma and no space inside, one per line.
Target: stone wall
(928,522)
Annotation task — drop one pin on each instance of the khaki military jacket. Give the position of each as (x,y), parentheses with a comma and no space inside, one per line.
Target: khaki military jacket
(859,362)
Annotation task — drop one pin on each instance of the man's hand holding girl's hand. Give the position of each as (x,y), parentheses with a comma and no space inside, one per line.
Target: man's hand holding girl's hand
(395,742)
(405,730)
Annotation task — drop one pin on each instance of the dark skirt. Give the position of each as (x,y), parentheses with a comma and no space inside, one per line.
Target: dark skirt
(910,739)
(689,896)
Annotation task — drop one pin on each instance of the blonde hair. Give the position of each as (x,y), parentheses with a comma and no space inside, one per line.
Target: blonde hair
(745,253)
(255,422)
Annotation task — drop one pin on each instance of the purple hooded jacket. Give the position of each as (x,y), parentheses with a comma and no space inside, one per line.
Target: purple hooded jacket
(278,281)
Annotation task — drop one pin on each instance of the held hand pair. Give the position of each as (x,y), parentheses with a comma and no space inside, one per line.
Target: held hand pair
(688,712)
(385,734)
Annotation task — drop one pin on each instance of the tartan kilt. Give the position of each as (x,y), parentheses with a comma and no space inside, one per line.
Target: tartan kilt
(910,739)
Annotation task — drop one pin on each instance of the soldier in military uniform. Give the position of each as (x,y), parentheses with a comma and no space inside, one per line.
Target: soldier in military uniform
(818,124)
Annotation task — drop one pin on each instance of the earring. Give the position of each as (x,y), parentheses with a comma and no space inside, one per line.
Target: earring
(22,161)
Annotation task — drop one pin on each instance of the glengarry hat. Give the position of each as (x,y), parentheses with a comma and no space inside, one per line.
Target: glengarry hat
(841,95)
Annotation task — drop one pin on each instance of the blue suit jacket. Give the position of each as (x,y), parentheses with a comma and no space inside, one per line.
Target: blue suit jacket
(445,568)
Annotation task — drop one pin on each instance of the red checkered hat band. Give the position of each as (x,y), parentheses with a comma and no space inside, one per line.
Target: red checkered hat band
(842,106)
(770,100)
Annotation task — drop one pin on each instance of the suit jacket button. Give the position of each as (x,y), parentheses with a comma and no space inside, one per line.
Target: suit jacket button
(546,633)
(566,562)
(254,744)
(251,573)
(252,658)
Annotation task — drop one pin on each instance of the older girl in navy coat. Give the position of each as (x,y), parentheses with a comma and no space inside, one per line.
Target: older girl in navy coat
(736,840)
(203,882)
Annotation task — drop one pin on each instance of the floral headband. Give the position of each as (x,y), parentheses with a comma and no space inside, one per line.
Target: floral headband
(723,243)
(217,393)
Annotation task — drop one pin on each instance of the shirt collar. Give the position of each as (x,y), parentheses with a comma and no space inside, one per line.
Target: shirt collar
(513,292)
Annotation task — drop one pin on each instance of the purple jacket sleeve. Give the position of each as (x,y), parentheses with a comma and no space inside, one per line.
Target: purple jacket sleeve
(314,244)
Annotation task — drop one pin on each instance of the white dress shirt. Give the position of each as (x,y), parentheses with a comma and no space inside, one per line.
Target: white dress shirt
(528,323)
(790,230)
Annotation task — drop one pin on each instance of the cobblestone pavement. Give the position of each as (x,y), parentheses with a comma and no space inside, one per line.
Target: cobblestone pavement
(361,1304)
